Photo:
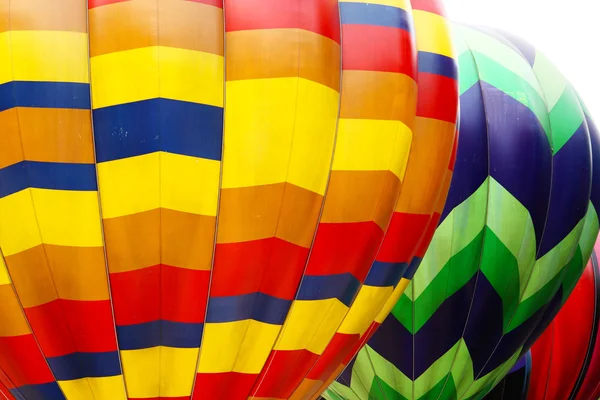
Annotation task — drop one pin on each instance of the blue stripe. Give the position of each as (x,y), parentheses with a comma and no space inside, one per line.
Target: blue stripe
(437,64)
(319,287)
(412,268)
(159,333)
(44,95)
(46,175)
(148,126)
(257,306)
(384,274)
(43,391)
(85,365)
(374,14)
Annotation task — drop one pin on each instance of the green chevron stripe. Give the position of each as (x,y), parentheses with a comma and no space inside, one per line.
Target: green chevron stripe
(552,82)
(468,72)
(575,268)
(382,391)
(512,224)
(457,272)
(565,118)
(500,53)
(500,268)
(546,277)
(444,389)
(507,81)
(456,232)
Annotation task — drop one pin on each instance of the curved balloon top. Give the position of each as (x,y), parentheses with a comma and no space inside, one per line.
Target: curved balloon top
(208,199)
(515,234)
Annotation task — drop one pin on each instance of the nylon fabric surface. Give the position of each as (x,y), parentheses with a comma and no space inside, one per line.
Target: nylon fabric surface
(206,199)
(515,234)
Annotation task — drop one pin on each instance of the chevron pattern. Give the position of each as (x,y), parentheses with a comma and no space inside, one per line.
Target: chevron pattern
(515,234)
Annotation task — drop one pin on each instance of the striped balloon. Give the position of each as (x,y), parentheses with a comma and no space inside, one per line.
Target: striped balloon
(212,199)
(516,232)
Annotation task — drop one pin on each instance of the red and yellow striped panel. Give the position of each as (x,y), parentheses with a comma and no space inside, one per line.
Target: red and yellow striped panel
(282,105)
(371,152)
(237,207)
(24,372)
(421,199)
(50,231)
(157,95)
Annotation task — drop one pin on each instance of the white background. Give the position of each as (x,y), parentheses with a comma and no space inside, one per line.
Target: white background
(567,31)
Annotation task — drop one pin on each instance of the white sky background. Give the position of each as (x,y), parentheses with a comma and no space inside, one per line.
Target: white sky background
(567,31)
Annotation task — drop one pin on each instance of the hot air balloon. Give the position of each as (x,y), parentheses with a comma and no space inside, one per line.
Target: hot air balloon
(564,359)
(516,232)
(212,200)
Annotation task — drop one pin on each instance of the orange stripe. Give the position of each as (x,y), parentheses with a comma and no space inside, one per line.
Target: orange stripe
(276,53)
(44,15)
(31,276)
(378,95)
(13,320)
(136,241)
(259,212)
(427,165)
(357,196)
(47,134)
(133,24)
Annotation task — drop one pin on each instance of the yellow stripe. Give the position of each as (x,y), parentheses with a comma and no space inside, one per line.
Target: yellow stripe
(240,346)
(159,371)
(151,72)
(4,276)
(277,128)
(65,218)
(130,185)
(391,302)
(372,145)
(365,308)
(189,184)
(325,316)
(143,183)
(432,33)
(51,56)
(105,388)
(394,3)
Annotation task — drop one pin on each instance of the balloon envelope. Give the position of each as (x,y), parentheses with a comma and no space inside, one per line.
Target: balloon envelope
(516,232)
(210,199)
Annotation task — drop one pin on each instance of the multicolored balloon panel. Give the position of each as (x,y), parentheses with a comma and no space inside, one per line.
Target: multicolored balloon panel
(516,232)
(212,200)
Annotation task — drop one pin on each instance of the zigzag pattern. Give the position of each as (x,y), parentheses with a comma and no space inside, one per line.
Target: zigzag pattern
(518,226)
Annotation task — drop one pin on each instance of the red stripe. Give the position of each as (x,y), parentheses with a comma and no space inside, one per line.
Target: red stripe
(100,3)
(135,295)
(22,361)
(225,385)
(271,266)
(433,6)
(341,248)
(333,355)
(438,97)
(378,48)
(453,154)
(426,240)
(65,326)
(319,16)
(184,293)
(402,237)
(286,369)
(214,3)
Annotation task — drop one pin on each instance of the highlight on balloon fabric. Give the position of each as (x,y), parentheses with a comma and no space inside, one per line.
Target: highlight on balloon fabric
(516,233)
(206,199)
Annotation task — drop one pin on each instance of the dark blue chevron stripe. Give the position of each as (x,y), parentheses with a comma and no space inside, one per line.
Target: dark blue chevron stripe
(571,182)
(520,154)
(471,168)
(595,141)
(394,342)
